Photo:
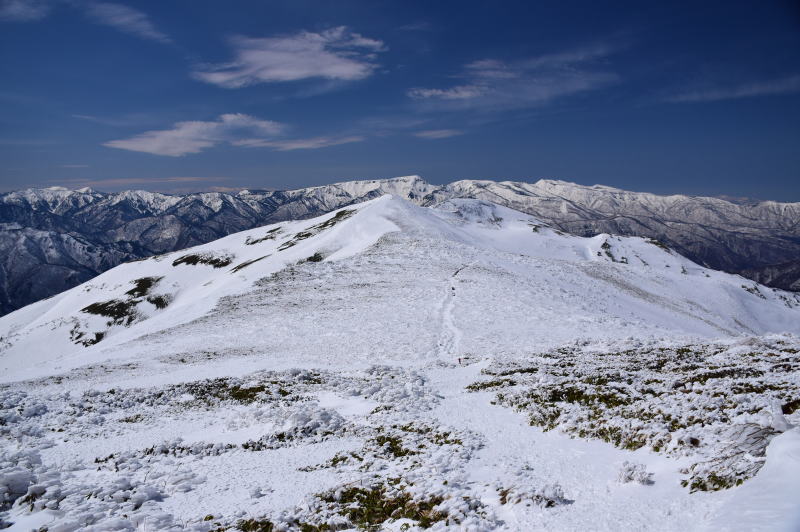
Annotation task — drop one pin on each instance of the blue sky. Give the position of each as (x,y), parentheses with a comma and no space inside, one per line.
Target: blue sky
(178,95)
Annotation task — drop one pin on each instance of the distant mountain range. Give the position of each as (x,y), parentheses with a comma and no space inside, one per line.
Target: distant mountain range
(54,238)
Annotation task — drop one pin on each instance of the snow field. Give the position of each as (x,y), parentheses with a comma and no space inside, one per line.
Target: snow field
(393,384)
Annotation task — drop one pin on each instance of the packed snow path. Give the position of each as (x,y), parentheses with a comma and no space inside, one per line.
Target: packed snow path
(450,336)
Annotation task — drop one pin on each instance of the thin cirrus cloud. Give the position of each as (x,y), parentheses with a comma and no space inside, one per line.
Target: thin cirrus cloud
(235,129)
(124,120)
(23,10)
(420,25)
(789,85)
(492,84)
(125,19)
(461,92)
(433,134)
(336,54)
(196,136)
(118,16)
(312,143)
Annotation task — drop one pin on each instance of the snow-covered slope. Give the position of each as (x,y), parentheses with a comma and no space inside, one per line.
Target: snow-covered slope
(135,224)
(319,370)
(145,296)
(602,281)
(715,232)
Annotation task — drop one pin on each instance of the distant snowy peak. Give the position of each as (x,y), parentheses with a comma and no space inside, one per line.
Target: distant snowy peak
(409,187)
(53,199)
(144,201)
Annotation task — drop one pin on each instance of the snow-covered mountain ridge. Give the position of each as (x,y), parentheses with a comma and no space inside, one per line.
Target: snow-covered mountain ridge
(386,365)
(167,290)
(762,240)
(72,235)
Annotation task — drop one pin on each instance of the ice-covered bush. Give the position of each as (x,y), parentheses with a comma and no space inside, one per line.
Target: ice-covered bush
(633,472)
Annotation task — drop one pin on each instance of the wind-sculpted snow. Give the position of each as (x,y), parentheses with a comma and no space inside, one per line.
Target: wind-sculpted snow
(287,409)
(383,371)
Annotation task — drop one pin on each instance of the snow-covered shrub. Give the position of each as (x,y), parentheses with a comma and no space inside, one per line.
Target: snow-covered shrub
(738,455)
(309,423)
(545,497)
(17,474)
(314,421)
(679,400)
(213,259)
(633,472)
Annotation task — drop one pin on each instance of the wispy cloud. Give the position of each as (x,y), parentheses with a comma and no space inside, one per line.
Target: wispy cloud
(420,25)
(438,133)
(23,10)
(125,19)
(234,129)
(383,125)
(74,166)
(460,92)
(195,136)
(334,54)
(119,16)
(789,85)
(312,143)
(121,120)
(492,84)
(90,118)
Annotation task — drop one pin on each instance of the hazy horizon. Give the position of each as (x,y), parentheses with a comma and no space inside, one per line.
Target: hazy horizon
(173,187)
